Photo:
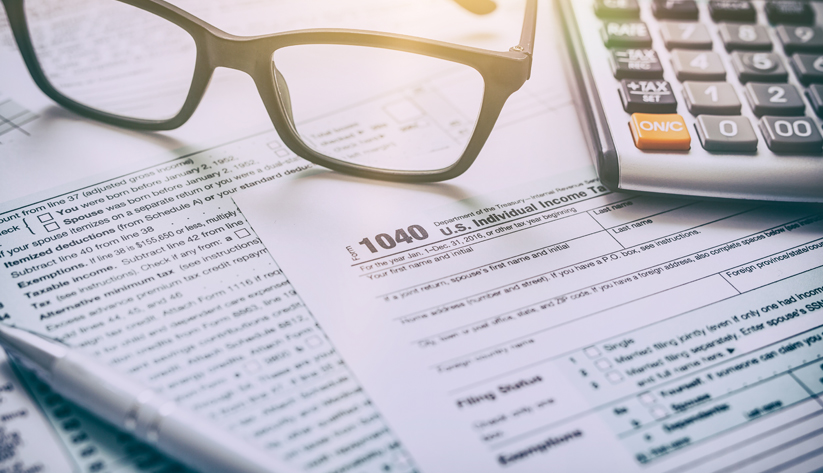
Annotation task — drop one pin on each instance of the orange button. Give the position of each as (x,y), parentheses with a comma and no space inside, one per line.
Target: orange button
(660,132)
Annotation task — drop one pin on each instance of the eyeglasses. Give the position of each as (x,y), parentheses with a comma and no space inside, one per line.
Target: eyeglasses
(375,105)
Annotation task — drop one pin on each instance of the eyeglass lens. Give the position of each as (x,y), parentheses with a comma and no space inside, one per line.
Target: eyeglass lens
(112,57)
(380,108)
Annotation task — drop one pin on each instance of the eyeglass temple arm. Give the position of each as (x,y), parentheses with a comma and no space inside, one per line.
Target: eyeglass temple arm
(529,25)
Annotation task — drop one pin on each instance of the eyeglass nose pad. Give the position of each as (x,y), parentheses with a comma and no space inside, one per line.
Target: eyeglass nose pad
(283,91)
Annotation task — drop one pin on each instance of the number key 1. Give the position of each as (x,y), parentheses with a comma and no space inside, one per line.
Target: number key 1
(715,98)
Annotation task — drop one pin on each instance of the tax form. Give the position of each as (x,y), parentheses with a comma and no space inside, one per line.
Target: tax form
(533,327)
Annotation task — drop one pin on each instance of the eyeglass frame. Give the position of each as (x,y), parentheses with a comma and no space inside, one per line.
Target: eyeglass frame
(503,73)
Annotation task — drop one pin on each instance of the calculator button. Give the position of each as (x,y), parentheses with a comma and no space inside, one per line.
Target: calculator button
(732,10)
(759,67)
(719,133)
(738,37)
(809,68)
(636,63)
(774,99)
(660,132)
(648,96)
(800,39)
(689,35)
(791,135)
(815,94)
(790,12)
(697,65)
(675,9)
(713,98)
(626,34)
(628,9)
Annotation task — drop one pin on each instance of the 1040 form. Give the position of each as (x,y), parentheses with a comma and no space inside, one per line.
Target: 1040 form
(560,324)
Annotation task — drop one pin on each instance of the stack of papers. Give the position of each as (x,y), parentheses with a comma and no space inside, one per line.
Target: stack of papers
(518,318)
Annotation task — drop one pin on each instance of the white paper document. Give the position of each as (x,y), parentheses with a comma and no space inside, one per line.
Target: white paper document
(27,441)
(558,326)
(151,267)
(156,272)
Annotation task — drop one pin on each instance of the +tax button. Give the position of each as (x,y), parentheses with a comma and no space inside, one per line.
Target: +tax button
(660,131)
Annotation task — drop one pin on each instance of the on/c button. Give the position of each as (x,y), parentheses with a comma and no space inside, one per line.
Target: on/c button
(660,131)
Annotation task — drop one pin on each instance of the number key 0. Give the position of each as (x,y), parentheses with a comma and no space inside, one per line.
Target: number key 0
(718,133)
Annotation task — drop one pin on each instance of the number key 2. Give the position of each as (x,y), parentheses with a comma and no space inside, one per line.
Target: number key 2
(774,99)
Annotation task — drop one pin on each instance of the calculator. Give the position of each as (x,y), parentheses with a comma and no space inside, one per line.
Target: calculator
(713,98)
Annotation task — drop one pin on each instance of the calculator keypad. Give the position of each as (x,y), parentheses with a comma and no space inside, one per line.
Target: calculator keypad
(698,50)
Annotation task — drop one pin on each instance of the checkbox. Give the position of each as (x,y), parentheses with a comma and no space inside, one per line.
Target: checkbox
(592,352)
(281,153)
(274,144)
(242,233)
(50,227)
(46,217)
(602,364)
(314,341)
(647,398)
(658,412)
(614,377)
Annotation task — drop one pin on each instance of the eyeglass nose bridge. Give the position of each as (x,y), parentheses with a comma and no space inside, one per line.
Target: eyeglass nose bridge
(232,52)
